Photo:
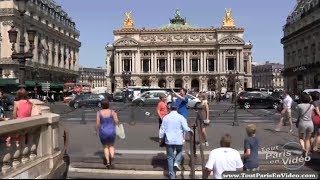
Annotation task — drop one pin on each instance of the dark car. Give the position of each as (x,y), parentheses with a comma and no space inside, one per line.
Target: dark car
(118,96)
(278,95)
(107,96)
(257,99)
(8,102)
(86,100)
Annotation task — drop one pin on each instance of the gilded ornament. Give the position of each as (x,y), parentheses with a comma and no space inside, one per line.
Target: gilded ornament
(228,20)
(128,22)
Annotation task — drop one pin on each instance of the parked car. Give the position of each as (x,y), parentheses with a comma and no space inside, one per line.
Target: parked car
(68,98)
(193,101)
(118,96)
(86,100)
(107,96)
(257,99)
(8,102)
(149,98)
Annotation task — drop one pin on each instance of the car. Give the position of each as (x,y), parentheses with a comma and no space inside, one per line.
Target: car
(107,96)
(68,98)
(118,96)
(257,99)
(193,101)
(149,98)
(8,102)
(86,100)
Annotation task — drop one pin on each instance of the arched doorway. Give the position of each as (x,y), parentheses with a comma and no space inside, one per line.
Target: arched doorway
(195,85)
(162,83)
(230,84)
(178,83)
(211,85)
(145,82)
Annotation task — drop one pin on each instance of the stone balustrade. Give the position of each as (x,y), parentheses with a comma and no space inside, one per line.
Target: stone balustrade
(34,149)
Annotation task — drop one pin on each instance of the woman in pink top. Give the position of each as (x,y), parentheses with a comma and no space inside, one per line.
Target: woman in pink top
(22,107)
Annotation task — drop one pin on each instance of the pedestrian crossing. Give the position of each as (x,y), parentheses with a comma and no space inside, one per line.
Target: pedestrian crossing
(218,114)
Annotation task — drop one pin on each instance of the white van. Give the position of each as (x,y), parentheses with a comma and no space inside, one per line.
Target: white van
(311,90)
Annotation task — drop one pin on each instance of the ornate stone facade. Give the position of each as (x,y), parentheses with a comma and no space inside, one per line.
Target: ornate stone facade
(96,77)
(179,55)
(56,52)
(301,44)
(268,76)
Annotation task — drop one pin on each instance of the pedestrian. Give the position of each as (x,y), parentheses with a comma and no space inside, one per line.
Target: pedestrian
(2,112)
(251,148)
(286,112)
(105,128)
(181,102)
(315,139)
(172,130)
(22,107)
(223,159)
(204,117)
(162,108)
(304,122)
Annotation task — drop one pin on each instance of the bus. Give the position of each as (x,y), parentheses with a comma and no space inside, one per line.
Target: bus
(76,88)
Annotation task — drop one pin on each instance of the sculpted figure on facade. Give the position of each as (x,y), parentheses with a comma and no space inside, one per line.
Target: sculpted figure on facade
(128,22)
(228,20)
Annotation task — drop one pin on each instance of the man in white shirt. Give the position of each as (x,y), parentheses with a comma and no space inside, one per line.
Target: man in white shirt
(286,111)
(223,159)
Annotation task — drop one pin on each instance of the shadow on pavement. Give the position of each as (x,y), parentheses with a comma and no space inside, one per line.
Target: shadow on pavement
(155,139)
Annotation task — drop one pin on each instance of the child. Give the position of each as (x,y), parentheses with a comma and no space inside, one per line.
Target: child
(251,147)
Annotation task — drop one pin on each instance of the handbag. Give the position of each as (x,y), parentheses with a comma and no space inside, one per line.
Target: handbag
(162,142)
(315,118)
(120,131)
(297,123)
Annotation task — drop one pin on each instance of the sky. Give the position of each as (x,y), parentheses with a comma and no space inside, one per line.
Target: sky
(96,19)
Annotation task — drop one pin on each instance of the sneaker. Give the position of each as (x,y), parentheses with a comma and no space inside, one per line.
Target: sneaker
(277,130)
(177,166)
(206,144)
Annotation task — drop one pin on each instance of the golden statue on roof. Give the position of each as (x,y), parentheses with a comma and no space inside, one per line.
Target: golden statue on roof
(128,22)
(228,20)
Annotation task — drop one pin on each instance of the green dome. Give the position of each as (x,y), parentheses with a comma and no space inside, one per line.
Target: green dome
(177,22)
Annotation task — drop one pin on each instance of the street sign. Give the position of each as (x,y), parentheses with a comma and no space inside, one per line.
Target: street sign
(45,87)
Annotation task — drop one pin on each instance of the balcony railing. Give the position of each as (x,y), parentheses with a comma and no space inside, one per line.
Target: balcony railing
(30,146)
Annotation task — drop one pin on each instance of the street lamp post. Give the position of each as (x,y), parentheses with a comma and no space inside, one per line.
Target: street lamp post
(236,81)
(22,55)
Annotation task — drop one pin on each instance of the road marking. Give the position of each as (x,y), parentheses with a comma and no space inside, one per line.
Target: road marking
(128,172)
(151,152)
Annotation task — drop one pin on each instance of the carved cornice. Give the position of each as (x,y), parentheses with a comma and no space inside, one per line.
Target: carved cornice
(36,65)
(126,42)
(231,40)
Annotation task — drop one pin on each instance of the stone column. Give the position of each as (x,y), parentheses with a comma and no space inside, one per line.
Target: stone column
(238,60)
(67,58)
(62,56)
(138,62)
(156,62)
(169,62)
(241,61)
(116,63)
(220,61)
(201,63)
(133,62)
(224,61)
(185,62)
(72,58)
(35,51)
(205,61)
(120,62)
(188,62)
(77,60)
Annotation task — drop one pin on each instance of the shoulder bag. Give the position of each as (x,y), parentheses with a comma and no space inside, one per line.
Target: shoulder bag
(297,123)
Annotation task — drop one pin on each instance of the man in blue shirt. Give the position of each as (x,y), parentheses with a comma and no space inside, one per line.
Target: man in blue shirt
(172,129)
(181,102)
